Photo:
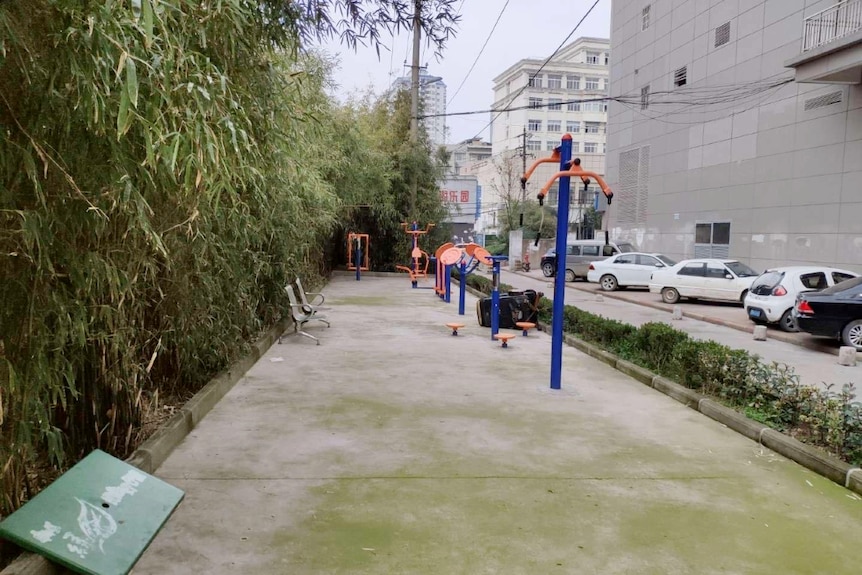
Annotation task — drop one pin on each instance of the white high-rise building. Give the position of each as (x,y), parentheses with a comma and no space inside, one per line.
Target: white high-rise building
(432,95)
(545,100)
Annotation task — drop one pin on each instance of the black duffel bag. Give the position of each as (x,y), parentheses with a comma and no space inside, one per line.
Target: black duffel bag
(515,306)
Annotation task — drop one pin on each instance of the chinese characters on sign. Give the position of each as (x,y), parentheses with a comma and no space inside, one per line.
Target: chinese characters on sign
(455,196)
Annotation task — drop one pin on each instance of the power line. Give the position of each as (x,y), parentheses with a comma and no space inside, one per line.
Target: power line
(536,73)
(720,98)
(491,33)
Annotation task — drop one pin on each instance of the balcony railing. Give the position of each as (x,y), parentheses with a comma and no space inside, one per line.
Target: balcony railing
(832,24)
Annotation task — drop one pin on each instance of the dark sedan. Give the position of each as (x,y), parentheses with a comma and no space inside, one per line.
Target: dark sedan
(834,312)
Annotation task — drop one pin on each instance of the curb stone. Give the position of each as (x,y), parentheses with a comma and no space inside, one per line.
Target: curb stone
(809,457)
(153,452)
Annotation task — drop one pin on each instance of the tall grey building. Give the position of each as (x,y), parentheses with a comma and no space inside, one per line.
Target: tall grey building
(432,94)
(737,129)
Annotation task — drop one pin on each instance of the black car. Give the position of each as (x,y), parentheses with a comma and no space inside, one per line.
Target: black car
(834,312)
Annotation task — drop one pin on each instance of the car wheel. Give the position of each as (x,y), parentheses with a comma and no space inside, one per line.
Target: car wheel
(788,322)
(669,295)
(852,334)
(608,282)
(548,270)
(570,275)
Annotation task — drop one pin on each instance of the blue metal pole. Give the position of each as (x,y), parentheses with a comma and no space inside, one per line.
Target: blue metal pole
(358,259)
(448,283)
(560,279)
(495,299)
(462,297)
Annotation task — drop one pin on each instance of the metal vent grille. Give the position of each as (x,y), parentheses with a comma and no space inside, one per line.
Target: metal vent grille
(722,34)
(717,251)
(634,186)
(680,77)
(824,100)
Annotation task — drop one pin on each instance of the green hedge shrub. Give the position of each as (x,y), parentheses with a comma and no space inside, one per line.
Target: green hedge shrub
(769,393)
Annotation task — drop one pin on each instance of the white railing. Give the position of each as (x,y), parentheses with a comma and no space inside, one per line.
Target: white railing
(831,24)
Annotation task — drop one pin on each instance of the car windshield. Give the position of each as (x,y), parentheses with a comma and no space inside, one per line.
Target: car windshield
(741,270)
(843,286)
(666,260)
(768,280)
(626,248)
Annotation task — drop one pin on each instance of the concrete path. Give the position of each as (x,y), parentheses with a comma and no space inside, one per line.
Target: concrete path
(813,367)
(394,447)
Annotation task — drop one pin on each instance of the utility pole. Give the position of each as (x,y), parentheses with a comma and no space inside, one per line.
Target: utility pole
(414,95)
(414,71)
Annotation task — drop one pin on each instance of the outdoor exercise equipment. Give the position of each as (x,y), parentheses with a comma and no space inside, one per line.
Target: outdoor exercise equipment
(455,327)
(525,326)
(495,295)
(416,269)
(471,255)
(446,255)
(504,337)
(357,253)
(568,168)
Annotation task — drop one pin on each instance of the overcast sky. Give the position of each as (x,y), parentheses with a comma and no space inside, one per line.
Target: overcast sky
(527,29)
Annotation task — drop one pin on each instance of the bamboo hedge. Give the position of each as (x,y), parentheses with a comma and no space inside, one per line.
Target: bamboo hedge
(164,173)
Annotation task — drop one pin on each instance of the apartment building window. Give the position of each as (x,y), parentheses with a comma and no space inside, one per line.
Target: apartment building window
(595,106)
(592,84)
(534,125)
(680,76)
(604,148)
(607,58)
(573,106)
(535,103)
(554,126)
(555,81)
(573,127)
(534,145)
(576,147)
(549,145)
(593,57)
(591,127)
(555,104)
(573,82)
(645,97)
(645,17)
(591,147)
(534,81)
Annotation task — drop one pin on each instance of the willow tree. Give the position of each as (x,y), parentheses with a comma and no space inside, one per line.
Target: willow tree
(162,171)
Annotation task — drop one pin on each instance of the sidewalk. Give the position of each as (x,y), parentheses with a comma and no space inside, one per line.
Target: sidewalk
(394,447)
(813,367)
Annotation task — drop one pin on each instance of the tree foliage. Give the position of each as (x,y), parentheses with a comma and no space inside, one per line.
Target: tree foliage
(166,166)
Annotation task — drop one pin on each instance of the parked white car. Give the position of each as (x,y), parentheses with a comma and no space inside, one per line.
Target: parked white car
(772,295)
(726,280)
(629,269)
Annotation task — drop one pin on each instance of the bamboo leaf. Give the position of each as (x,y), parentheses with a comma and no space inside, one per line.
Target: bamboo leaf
(147,19)
(123,120)
(132,82)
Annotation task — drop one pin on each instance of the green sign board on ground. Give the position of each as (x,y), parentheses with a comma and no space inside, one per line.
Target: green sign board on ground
(96,518)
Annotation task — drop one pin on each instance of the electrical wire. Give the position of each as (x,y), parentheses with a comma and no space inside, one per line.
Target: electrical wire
(479,55)
(545,63)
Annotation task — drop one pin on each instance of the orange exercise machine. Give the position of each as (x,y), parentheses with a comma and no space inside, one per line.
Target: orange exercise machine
(416,270)
(357,253)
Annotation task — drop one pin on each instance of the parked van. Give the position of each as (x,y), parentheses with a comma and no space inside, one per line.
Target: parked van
(580,253)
